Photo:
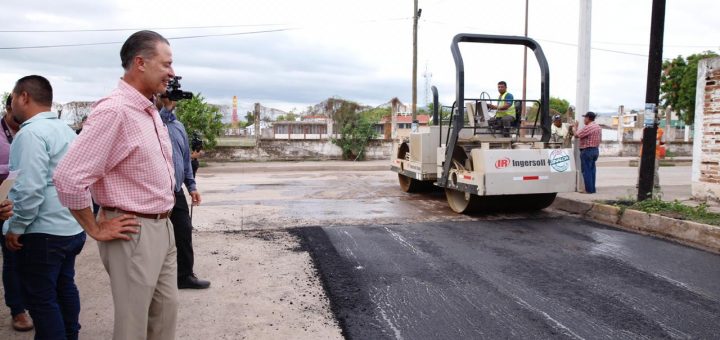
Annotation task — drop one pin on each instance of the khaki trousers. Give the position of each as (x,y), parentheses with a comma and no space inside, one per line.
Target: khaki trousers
(143,279)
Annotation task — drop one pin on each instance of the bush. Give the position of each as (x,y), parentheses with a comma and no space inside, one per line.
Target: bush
(201,118)
(355,135)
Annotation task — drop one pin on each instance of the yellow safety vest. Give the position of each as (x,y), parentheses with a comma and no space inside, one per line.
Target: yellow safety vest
(510,110)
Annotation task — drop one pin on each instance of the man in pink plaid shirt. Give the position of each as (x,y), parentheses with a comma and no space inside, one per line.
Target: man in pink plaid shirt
(124,157)
(590,136)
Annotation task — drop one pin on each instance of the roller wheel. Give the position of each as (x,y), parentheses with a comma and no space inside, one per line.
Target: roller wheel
(539,201)
(411,185)
(517,203)
(462,202)
(408,184)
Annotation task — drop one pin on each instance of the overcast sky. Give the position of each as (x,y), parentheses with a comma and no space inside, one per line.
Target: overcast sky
(358,50)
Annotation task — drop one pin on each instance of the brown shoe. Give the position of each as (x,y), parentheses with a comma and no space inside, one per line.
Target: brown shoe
(22,322)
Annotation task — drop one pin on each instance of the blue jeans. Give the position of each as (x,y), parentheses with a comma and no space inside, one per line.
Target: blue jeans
(46,264)
(588,157)
(11,281)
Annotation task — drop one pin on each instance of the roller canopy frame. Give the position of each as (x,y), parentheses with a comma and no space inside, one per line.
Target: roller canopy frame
(458,117)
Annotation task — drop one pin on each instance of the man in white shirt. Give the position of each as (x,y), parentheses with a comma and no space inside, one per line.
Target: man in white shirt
(560,131)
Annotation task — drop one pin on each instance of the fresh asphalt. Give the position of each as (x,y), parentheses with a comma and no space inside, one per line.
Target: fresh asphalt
(539,277)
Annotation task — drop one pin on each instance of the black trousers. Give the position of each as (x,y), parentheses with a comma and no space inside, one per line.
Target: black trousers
(180,218)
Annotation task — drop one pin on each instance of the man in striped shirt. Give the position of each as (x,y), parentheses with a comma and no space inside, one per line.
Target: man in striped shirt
(124,157)
(590,136)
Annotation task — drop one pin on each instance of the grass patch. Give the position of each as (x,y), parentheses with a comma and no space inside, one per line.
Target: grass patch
(236,141)
(674,209)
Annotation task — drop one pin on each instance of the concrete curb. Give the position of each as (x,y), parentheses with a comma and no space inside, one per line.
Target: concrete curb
(257,167)
(693,234)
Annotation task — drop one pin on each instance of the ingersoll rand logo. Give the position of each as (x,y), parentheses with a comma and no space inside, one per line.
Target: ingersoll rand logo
(502,163)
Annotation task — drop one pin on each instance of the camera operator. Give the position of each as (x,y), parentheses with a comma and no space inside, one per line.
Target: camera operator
(180,216)
(196,146)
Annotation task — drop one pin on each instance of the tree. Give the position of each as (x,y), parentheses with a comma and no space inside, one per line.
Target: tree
(290,117)
(343,113)
(250,117)
(201,118)
(5,95)
(557,106)
(678,84)
(354,137)
(376,114)
(355,129)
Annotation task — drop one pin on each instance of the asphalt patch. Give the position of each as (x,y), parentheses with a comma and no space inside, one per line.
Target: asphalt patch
(545,277)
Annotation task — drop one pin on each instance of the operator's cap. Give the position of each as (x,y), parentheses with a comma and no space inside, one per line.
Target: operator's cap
(590,115)
(556,117)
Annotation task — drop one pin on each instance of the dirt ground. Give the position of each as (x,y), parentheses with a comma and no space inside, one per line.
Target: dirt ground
(260,197)
(263,287)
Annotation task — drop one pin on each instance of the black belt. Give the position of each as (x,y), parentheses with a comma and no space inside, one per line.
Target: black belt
(158,216)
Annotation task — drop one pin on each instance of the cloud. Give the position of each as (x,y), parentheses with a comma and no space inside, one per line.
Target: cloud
(356,50)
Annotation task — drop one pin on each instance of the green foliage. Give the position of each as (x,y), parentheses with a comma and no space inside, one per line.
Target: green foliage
(356,130)
(200,117)
(376,114)
(679,210)
(443,113)
(678,84)
(5,95)
(354,138)
(346,113)
(249,118)
(290,117)
(557,106)
(674,209)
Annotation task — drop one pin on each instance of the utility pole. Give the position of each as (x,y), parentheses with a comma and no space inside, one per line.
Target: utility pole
(582,92)
(256,112)
(652,98)
(524,103)
(416,16)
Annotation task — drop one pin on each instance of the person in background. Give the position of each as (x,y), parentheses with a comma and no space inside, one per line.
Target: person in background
(196,147)
(590,137)
(82,122)
(21,321)
(558,130)
(659,154)
(180,215)
(44,234)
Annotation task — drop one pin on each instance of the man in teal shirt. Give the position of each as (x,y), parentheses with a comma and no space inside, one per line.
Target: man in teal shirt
(46,237)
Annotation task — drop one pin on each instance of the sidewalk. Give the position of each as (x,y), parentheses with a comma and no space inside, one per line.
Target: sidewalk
(618,182)
(617,176)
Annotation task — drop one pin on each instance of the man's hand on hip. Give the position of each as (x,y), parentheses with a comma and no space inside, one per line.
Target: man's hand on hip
(196,200)
(6,209)
(115,228)
(12,241)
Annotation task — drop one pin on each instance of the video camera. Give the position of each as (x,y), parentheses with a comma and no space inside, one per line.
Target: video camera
(174,93)
(196,142)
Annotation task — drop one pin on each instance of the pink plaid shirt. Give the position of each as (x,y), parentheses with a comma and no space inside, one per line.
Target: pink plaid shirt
(590,136)
(123,156)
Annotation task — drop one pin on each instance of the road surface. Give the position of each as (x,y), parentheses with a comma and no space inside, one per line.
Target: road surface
(538,277)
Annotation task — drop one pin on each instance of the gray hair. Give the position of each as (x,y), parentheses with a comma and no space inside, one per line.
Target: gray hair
(140,43)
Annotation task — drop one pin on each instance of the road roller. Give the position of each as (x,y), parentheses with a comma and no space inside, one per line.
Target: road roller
(482,166)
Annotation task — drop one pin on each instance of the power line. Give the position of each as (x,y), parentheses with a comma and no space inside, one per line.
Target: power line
(183,37)
(182,27)
(594,48)
(596,42)
(120,42)
(647,45)
(134,29)
(553,41)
